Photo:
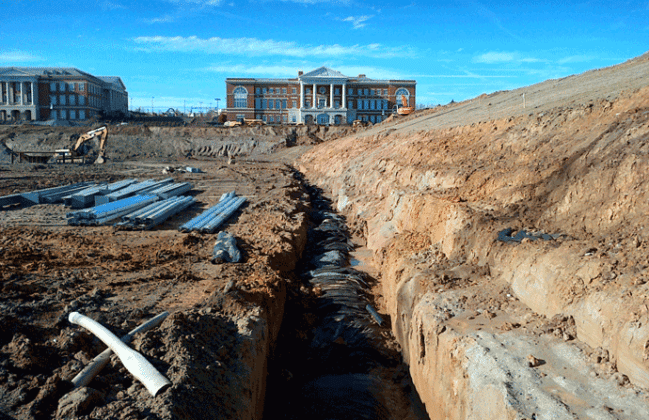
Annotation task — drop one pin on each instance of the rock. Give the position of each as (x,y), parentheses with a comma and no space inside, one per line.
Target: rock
(78,402)
(533,361)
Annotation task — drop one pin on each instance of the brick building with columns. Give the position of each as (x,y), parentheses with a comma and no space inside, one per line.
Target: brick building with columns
(43,93)
(322,96)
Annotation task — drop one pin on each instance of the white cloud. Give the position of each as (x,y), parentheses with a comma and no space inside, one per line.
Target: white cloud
(269,47)
(18,57)
(576,59)
(493,57)
(290,70)
(198,2)
(161,19)
(358,21)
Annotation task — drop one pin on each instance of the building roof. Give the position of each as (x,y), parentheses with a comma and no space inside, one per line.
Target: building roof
(324,72)
(113,80)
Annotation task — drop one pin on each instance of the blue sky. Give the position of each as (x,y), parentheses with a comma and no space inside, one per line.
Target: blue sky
(180,51)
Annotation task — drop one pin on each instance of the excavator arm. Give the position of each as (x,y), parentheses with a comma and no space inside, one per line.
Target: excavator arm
(100,133)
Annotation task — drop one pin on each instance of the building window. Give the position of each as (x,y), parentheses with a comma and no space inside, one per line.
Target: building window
(350,104)
(308,91)
(337,104)
(372,92)
(73,100)
(277,104)
(284,103)
(271,119)
(240,117)
(402,92)
(257,103)
(63,114)
(294,91)
(82,87)
(240,97)
(283,91)
(350,91)
(53,99)
(385,92)
(257,91)
(367,92)
(271,91)
(263,118)
(82,100)
(73,114)
(52,87)
(293,118)
(62,99)
(263,91)
(294,103)
(82,114)
(71,87)
(270,104)
(307,104)
(337,91)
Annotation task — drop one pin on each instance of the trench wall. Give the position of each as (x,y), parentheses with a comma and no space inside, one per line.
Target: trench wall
(580,171)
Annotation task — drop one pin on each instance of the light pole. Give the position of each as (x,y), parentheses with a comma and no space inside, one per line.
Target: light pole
(152,105)
(217,103)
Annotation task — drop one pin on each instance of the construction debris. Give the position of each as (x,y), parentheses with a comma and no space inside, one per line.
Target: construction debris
(225,249)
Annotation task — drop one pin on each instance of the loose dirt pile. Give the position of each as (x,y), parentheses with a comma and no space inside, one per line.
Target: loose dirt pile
(538,329)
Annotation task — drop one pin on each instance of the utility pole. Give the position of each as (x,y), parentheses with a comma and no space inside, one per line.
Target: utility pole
(184,106)
(152,105)
(217,103)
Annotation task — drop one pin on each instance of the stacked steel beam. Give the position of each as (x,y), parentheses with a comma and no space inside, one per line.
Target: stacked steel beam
(155,213)
(140,188)
(212,218)
(106,212)
(172,190)
(86,197)
(53,195)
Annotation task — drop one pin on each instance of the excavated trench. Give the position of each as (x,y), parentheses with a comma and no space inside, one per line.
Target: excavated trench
(334,358)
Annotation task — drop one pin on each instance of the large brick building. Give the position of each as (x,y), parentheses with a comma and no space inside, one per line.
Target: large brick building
(42,93)
(322,96)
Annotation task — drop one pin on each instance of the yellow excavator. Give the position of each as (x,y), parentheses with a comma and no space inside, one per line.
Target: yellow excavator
(77,151)
(404,109)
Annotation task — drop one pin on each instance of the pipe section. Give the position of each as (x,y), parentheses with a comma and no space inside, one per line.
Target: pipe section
(84,377)
(133,361)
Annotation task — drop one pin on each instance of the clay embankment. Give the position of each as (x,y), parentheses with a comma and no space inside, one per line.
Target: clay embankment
(136,142)
(551,329)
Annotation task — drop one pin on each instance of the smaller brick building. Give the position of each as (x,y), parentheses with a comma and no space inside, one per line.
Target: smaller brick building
(322,96)
(42,93)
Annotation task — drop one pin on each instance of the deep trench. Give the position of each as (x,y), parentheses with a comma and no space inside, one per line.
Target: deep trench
(332,360)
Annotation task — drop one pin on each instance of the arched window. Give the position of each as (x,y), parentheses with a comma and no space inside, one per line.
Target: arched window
(402,91)
(240,97)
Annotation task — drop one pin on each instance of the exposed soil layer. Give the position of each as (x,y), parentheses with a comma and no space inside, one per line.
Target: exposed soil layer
(555,328)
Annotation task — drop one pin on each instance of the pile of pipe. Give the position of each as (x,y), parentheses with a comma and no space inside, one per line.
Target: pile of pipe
(44,196)
(154,214)
(140,188)
(212,218)
(104,213)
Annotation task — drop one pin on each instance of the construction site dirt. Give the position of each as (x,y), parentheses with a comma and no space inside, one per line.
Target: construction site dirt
(477,260)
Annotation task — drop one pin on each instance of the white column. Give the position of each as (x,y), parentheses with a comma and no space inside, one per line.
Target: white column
(315,105)
(301,94)
(344,104)
(31,86)
(22,92)
(331,95)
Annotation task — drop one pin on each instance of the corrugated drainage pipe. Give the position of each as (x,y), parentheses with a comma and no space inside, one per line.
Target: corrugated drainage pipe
(133,361)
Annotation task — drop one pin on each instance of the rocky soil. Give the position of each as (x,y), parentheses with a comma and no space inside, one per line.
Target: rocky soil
(553,326)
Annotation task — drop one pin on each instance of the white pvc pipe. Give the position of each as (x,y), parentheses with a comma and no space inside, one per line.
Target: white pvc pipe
(84,377)
(133,361)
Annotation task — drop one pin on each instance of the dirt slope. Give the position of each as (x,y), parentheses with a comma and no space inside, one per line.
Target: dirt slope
(484,323)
